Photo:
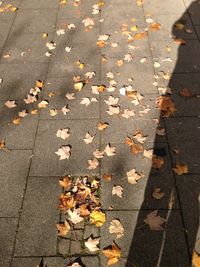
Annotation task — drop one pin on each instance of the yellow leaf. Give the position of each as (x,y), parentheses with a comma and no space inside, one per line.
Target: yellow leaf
(113,253)
(180,169)
(78,86)
(101,43)
(98,218)
(39,84)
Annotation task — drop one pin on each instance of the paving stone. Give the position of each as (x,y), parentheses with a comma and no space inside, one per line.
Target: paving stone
(45,162)
(33,262)
(183,57)
(34,20)
(139,195)
(188,189)
(80,11)
(182,132)
(142,83)
(64,246)
(146,109)
(37,234)
(193,10)
(75,247)
(168,29)
(7,231)
(26,48)
(142,247)
(128,127)
(170,7)
(5,27)
(17,136)
(89,230)
(18,79)
(39,4)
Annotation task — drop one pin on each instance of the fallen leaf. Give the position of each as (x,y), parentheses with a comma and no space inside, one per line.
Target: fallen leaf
(113,253)
(181,169)
(93,164)
(65,110)
(195,259)
(117,190)
(107,177)
(23,113)
(113,110)
(74,216)
(63,228)
(157,193)
(133,176)
(63,133)
(64,152)
(111,101)
(17,121)
(98,154)
(79,86)
(110,151)
(2,144)
(66,182)
(102,126)
(157,162)
(91,244)
(154,221)
(10,104)
(43,104)
(97,217)
(88,138)
(116,228)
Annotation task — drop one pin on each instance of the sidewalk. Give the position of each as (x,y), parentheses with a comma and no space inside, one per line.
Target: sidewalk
(78,77)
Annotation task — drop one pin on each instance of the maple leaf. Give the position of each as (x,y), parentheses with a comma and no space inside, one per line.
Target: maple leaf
(110,151)
(53,112)
(91,244)
(23,113)
(136,148)
(154,221)
(63,228)
(64,152)
(128,57)
(148,153)
(157,193)
(30,99)
(75,264)
(97,217)
(117,190)
(116,228)
(157,162)
(128,113)
(139,137)
(66,182)
(113,253)
(16,121)
(110,75)
(65,110)
(107,177)
(166,105)
(10,104)
(133,176)
(103,37)
(98,154)
(102,126)
(88,22)
(111,101)
(43,104)
(74,216)
(88,138)
(181,169)
(93,163)
(63,133)
(90,74)
(155,26)
(51,45)
(70,96)
(113,110)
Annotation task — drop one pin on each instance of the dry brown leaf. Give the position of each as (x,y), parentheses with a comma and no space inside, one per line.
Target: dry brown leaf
(66,182)
(185,92)
(166,105)
(107,177)
(136,148)
(133,176)
(2,144)
(154,221)
(155,26)
(17,121)
(181,169)
(157,162)
(158,194)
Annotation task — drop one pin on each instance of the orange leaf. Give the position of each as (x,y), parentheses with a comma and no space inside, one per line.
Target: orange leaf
(157,162)
(65,182)
(195,259)
(180,169)
(113,253)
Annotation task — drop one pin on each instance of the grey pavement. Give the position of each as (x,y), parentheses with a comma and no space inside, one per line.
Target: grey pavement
(141,52)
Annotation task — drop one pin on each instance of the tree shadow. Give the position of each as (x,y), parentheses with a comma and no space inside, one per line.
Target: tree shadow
(180,206)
